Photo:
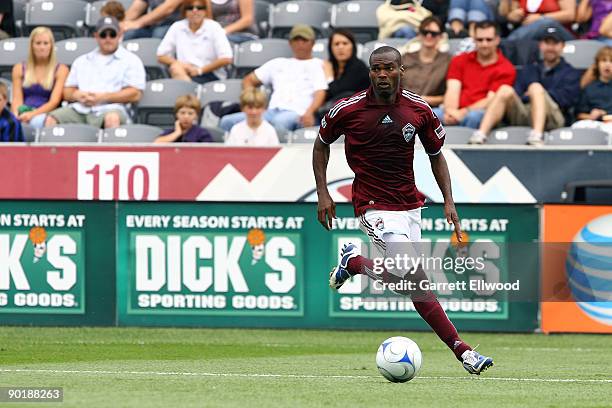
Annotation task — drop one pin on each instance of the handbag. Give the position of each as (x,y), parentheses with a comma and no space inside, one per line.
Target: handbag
(393,17)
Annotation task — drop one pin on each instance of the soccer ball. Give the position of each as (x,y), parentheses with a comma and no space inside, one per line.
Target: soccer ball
(398,359)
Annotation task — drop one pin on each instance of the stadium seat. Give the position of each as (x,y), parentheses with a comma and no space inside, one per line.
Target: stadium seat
(135,133)
(454,44)
(319,50)
(304,135)
(217,134)
(357,16)
(156,107)
(19,7)
(228,90)
(68,50)
(581,53)
(262,14)
(366,50)
(252,54)
(64,17)
(285,15)
(12,51)
(29,133)
(146,49)
(69,133)
(515,135)
(458,135)
(568,136)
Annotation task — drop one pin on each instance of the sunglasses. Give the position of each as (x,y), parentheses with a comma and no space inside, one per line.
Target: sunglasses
(108,33)
(424,33)
(194,7)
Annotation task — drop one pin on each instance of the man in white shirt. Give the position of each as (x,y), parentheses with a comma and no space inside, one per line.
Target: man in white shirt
(298,85)
(101,82)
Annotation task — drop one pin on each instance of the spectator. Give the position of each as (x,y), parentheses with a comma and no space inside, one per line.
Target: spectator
(39,82)
(186,129)
(400,18)
(474,77)
(595,106)
(594,11)
(438,8)
(425,70)
(298,85)
(606,28)
(149,18)
(345,73)
(101,82)
(534,16)
(7,20)
(113,9)
(470,12)
(10,128)
(237,17)
(195,48)
(255,130)
(542,94)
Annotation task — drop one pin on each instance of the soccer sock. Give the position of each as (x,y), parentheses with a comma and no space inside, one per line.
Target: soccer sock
(356,265)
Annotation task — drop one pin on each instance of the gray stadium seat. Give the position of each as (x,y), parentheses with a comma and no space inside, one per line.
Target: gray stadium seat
(568,137)
(228,90)
(366,50)
(516,135)
(146,49)
(29,132)
(64,17)
(262,14)
(217,134)
(12,51)
(252,54)
(156,107)
(68,50)
(135,133)
(69,133)
(581,53)
(285,15)
(304,135)
(319,50)
(458,135)
(357,16)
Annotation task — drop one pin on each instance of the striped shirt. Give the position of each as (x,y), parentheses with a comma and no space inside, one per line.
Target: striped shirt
(10,127)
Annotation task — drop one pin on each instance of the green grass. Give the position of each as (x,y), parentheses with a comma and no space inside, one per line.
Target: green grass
(124,367)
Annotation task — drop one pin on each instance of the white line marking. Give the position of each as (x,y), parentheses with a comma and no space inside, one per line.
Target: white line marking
(255,375)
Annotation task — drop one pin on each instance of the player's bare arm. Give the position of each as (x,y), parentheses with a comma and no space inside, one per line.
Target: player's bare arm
(326,208)
(440,171)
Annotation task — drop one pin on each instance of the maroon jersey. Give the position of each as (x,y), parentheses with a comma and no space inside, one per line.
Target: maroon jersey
(379,146)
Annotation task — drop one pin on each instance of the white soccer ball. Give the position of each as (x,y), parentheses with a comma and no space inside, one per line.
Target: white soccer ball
(399,359)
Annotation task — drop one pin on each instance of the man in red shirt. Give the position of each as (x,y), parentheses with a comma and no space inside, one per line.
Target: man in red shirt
(474,77)
(379,126)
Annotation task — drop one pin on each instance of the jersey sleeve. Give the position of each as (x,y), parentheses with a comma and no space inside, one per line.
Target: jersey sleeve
(330,131)
(432,133)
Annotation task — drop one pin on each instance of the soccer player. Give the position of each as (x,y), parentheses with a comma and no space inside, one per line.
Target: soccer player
(380,125)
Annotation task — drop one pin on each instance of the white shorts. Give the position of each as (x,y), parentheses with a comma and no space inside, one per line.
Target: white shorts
(391,226)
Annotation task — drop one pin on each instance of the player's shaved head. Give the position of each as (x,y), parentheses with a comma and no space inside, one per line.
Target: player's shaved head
(385,49)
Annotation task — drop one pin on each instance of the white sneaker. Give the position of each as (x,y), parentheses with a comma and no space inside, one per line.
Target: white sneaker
(474,363)
(535,138)
(477,138)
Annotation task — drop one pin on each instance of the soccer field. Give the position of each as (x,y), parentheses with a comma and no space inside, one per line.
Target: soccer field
(115,367)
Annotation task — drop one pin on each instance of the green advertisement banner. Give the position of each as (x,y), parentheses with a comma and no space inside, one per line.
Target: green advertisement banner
(51,258)
(267,265)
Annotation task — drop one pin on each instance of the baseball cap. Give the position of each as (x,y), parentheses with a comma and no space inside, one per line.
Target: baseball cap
(302,30)
(551,33)
(107,23)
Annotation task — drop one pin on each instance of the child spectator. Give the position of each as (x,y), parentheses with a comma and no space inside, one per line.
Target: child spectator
(254,130)
(186,129)
(595,107)
(10,128)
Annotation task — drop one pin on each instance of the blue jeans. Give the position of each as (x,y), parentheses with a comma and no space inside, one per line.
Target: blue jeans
(146,32)
(406,32)
(533,30)
(471,120)
(240,37)
(282,120)
(470,11)
(38,121)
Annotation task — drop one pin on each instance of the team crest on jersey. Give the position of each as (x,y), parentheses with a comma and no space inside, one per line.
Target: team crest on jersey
(408,132)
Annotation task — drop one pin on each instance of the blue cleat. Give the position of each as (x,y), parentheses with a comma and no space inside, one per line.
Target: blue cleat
(474,363)
(340,274)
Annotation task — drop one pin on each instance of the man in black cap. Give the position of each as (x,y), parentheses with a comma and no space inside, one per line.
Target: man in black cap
(101,82)
(541,94)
